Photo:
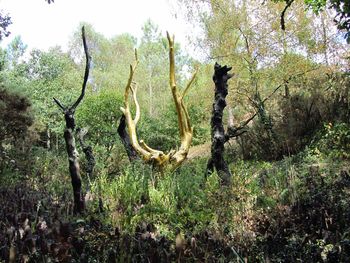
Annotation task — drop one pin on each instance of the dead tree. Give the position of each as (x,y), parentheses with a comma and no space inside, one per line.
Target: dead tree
(158,158)
(73,159)
(218,137)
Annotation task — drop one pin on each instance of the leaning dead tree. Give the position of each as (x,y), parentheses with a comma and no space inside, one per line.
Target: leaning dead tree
(173,158)
(218,136)
(69,111)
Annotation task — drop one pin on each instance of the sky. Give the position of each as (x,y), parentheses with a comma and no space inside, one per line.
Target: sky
(42,25)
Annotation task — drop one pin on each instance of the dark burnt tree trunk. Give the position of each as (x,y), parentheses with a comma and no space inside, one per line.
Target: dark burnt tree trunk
(124,136)
(218,137)
(73,160)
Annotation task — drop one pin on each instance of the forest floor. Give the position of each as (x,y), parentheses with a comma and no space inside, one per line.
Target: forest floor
(202,150)
(307,220)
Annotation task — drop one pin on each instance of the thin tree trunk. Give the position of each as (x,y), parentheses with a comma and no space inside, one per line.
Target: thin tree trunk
(230,121)
(48,138)
(74,168)
(150,99)
(325,42)
(73,160)
(217,161)
(57,141)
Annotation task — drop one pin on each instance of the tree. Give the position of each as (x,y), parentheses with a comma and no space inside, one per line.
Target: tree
(217,161)
(5,21)
(161,160)
(69,111)
(45,72)
(341,7)
(100,115)
(152,58)
(15,116)
(110,56)
(16,50)
(152,54)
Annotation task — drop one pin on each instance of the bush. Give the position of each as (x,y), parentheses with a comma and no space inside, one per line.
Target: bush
(100,112)
(163,132)
(335,140)
(295,121)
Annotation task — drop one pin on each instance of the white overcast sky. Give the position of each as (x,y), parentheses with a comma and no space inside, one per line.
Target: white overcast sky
(42,25)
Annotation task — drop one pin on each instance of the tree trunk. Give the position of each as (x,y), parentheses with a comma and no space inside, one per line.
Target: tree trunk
(48,138)
(150,99)
(57,142)
(124,136)
(74,168)
(217,161)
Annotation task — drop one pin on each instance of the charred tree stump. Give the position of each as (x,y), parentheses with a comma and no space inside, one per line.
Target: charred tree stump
(124,136)
(218,137)
(73,157)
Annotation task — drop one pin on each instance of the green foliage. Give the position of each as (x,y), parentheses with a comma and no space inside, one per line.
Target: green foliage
(16,50)
(100,112)
(341,7)
(15,116)
(110,57)
(5,21)
(291,200)
(316,5)
(51,74)
(335,140)
(162,132)
(181,200)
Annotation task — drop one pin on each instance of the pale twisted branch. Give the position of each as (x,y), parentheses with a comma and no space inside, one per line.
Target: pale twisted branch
(159,158)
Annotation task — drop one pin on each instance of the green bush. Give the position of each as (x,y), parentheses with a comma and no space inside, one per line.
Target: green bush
(163,132)
(100,112)
(335,140)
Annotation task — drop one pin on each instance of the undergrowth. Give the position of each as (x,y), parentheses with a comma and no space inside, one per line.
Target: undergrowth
(293,210)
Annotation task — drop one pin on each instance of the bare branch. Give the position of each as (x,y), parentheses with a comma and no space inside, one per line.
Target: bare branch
(157,157)
(59,104)
(288,4)
(87,69)
(189,83)
(245,40)
(172,83)
(233,132)
(171,61)
(137,106)
(149,149)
